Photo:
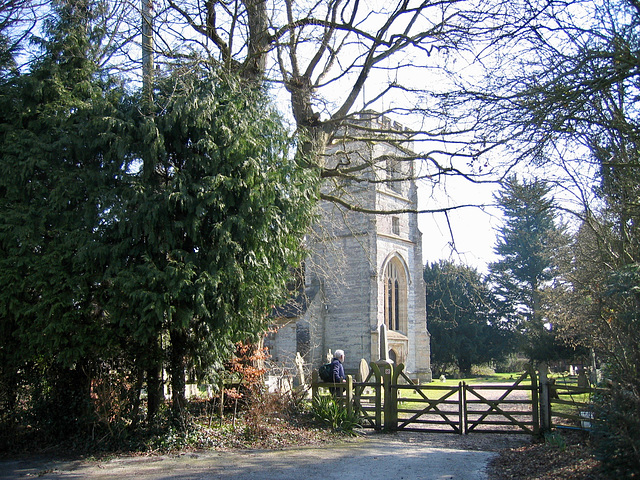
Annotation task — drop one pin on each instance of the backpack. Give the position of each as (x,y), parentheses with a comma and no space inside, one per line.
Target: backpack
(326,372)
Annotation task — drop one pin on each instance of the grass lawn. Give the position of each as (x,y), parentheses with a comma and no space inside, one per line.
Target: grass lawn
(571,400)
(438,389)
(493,378)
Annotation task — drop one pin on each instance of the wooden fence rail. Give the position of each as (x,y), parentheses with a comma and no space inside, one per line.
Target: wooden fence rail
(566,406)
(437,408)
(388,399)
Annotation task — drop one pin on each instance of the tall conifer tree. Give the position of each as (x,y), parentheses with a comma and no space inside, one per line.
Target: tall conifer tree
(206,242)
(59,154)
(530,244)
(104,266)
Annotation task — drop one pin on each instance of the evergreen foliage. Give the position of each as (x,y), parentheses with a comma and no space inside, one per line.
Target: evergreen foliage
(62,136)
(462,315)
(617,408)
(617,430)
(530,245)
(111,270)
(207,241)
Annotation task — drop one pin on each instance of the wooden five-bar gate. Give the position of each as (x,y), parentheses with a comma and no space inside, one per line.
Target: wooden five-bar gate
(389,400)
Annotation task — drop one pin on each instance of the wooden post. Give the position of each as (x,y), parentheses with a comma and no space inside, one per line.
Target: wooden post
(535,405)
(386,372)
(349,398)
(594,371)
(462,407)
(545,404)
(393,396)
(221,390)
(314,385)
(378,377)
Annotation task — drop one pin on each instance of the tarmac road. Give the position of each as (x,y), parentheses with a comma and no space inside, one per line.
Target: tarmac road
(378,457)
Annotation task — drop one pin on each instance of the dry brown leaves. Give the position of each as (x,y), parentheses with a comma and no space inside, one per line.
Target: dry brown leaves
(548,461)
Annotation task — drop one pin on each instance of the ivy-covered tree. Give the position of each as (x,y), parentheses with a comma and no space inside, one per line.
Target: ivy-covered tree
(531,245)
(462,315)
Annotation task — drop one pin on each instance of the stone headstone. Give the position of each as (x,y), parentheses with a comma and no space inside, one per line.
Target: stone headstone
(363,370)
(299,368)
(583,380)
(384,343)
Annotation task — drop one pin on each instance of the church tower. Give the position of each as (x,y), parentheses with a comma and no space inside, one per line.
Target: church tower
(365,264)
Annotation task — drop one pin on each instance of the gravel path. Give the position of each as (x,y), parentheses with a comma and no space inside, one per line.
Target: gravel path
(373,457)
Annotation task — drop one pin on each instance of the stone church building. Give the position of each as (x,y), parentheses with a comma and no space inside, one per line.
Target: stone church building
(364,269)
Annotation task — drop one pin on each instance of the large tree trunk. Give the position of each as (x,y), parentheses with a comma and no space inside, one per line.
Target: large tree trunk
(177,368)
(135,397)
(313,133)
(464,363)
(154,390)
(70,399)
(259,40)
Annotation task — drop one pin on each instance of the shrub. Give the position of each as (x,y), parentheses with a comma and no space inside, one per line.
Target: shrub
(617,431)
(482,370)
(332,413)
(556,440)
(513,363)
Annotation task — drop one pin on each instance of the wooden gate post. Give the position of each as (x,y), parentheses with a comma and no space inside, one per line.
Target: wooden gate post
(393,398)
(349,399)
(378,397)
(545,404)
(462,407)
(386,372)
(535,399)
(314,384)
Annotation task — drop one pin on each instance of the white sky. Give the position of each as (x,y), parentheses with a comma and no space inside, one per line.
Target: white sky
(473,229)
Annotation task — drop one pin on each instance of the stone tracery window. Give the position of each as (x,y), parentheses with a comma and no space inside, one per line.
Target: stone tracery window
(395,297)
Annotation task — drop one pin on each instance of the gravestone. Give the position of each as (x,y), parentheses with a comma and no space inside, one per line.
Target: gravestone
(385,364)
(383,344)
(299,361)
(583,380)
(363,370)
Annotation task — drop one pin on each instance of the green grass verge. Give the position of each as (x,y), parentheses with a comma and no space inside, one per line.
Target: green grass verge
(493,378)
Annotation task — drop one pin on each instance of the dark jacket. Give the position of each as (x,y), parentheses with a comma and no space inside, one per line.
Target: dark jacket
(338,371)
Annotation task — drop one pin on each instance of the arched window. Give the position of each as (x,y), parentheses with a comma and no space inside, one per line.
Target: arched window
(395,293)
